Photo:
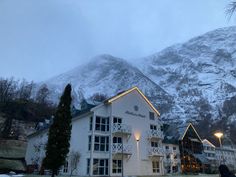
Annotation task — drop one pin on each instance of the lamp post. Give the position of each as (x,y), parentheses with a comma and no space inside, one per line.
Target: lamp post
(219,135)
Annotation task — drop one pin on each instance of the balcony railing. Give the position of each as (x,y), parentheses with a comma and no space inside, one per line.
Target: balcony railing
(155,134)
(156,151)
(117,148)
(121,128)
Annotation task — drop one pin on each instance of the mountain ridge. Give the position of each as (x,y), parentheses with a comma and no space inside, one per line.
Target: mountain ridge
(184,81)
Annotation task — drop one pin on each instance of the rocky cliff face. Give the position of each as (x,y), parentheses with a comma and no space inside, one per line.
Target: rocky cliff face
(186,81)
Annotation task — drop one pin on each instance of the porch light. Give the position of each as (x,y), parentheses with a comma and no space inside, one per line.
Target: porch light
(137,136)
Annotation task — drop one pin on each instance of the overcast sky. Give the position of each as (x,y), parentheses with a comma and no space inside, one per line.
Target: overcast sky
(42,38)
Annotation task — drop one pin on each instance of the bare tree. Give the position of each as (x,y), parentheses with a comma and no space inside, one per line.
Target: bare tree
(25,90)
(42,95)
(8,88)
(74,160)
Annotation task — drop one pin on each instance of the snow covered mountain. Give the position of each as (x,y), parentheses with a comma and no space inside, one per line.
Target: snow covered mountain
(185,81)
(108,75)
(200,74)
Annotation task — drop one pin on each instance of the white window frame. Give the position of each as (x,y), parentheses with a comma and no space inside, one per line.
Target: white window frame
(116,166)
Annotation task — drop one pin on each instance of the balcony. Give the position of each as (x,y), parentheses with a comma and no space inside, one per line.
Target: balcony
(118,128)
(117,149)
(155,151)
(156,134)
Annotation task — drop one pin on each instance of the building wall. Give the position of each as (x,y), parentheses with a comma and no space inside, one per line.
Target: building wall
(135,112)
(139,163)
(227,156)
(172,162)
(35,149)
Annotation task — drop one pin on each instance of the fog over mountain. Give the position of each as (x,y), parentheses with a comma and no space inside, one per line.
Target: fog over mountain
(185,81)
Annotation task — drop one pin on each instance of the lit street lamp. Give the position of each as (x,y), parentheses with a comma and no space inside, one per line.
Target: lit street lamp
(219,135)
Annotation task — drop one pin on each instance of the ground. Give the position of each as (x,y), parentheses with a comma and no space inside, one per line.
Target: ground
(200,175)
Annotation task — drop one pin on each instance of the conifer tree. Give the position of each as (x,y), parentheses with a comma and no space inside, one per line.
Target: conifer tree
(59,134)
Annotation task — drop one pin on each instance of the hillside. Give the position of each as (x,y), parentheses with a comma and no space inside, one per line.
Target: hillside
(186,81)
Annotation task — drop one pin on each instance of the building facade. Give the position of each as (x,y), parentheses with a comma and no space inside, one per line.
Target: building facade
(121,136)
(210,153)
(226,155)
(172,163)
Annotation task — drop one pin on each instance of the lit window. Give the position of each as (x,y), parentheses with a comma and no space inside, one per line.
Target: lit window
(155,167)
(116,166)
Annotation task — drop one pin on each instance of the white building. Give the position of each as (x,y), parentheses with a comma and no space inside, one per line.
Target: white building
(226,155)
(209,150)
(125,128)
(172,163)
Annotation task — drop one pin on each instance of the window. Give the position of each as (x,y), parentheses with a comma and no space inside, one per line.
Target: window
(65,168)
(174,148)
(151,116)
(91,123)
(117,120)
(100,166)
(154,144)
(167,147)
(116,166)
(117,139)
(168,156)
(101,143)
(102,124)
(89,142)
(153,127)
(155,167)
(88,166)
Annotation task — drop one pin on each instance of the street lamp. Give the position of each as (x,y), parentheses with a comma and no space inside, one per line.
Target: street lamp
(219,135)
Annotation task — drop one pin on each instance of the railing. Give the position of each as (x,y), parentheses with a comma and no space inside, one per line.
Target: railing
(121,128)
(117,148)
(156,151)
(155,134)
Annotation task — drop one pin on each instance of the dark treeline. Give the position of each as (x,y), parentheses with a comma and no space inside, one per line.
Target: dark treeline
(22,100)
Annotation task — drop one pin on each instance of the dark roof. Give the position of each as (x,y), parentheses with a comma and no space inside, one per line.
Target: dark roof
(74,114)
(173,133)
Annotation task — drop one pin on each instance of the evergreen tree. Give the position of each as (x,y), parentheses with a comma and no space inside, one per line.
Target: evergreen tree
(59,134)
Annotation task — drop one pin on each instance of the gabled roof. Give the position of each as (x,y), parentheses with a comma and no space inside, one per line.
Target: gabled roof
(208,142)
(190,125)
(174,132)
(121,94)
